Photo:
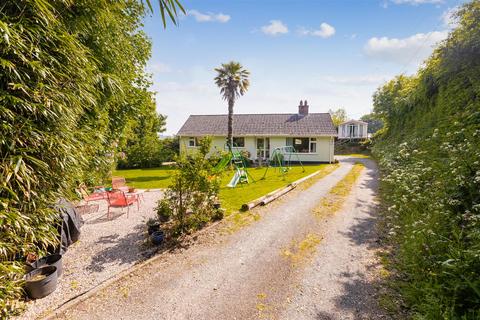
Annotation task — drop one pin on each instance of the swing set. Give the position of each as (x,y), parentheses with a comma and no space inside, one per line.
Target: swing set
(281,159)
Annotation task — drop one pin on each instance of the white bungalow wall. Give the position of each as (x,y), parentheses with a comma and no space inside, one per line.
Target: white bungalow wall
(325,148)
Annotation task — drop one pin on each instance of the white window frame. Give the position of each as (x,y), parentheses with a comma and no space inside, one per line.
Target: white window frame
(190,140)
(311,142)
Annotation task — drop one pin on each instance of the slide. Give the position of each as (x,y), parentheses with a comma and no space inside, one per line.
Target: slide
(223,163)
(235,179)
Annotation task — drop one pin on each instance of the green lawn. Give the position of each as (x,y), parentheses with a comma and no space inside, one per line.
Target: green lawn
(152,178)
(231,198)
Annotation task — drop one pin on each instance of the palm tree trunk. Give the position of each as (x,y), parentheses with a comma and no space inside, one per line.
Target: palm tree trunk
(230,124)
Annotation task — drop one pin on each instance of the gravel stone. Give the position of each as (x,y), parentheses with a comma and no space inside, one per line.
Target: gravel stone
(106,247)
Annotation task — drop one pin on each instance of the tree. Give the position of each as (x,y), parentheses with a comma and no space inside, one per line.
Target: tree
(72,80)
(232,79)
(374,123)
(338,116)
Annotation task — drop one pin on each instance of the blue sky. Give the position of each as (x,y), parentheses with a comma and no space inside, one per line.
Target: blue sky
(332,53)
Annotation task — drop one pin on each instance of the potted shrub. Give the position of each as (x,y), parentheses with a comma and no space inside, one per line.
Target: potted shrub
(153,225)
(164,212)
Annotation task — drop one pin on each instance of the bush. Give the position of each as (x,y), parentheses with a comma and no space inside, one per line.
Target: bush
(190,199)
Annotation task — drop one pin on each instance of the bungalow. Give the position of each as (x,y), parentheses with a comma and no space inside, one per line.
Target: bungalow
(353,129)
(311,134)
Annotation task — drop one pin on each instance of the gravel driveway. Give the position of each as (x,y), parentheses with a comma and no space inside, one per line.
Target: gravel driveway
(248,275)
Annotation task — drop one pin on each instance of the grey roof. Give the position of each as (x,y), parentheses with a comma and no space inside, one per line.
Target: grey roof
(311,125)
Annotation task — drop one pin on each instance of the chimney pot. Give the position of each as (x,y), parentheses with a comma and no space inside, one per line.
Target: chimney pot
(303,108)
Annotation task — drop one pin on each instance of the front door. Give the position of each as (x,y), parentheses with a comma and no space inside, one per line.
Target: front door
(263,148)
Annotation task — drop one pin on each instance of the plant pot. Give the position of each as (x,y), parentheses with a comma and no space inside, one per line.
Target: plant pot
(157,237)
(44,285)
(153,227)
(51,260)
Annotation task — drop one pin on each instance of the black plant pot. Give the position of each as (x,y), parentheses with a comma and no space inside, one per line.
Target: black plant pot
(157,237)
(37,289)
(153,227)
(51,260)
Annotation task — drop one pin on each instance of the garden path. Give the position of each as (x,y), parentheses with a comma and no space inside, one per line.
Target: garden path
(248,275)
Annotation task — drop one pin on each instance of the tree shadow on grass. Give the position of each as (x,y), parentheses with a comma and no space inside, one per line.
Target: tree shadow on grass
(147,178)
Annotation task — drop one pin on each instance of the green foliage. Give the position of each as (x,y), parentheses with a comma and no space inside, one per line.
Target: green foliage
(374,123)
(191,197)
(429,152)
(72,79)
(144,148)
(338,116)
(170,8)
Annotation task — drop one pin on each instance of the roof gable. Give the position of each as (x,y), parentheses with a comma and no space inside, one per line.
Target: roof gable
(312,124)
(353,121)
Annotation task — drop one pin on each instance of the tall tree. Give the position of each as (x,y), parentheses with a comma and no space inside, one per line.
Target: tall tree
(232,79)
(374,122)
(338,116)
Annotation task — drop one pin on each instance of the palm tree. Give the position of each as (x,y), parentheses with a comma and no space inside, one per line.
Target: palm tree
(232,79)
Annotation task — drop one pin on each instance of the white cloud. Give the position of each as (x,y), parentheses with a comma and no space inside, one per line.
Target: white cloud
(417,2)
(159,67)
(415,48)
(325,31)
(449,19)
(275,27)
(208,17)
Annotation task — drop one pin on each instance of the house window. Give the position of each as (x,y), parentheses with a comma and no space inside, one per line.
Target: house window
(303,145)
(313,145)
(192,142)
(239,142)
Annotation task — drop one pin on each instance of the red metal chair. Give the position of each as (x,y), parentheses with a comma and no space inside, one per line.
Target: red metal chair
(118,199)
(119,183)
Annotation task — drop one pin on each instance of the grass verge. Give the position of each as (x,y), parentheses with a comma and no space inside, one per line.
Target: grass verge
(335,199)
(299,252)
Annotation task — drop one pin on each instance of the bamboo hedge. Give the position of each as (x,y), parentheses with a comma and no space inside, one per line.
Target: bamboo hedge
(72,84)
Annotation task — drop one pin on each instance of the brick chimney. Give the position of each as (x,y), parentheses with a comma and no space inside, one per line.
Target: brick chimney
(303,108)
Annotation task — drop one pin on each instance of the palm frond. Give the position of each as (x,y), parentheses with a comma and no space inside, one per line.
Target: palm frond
(170,7)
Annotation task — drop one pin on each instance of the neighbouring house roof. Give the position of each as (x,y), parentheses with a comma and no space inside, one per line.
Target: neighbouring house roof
(310,125)
(353,121)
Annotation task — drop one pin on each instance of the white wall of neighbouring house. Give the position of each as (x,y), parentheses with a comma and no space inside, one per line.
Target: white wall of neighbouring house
(324,152)
(361,130)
